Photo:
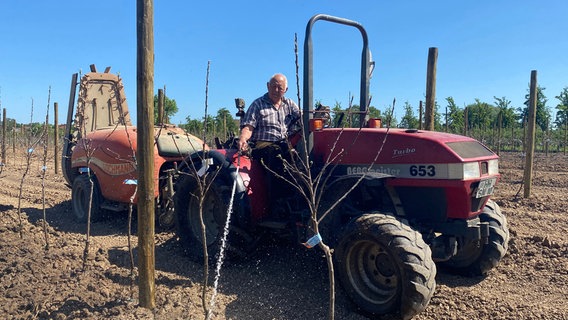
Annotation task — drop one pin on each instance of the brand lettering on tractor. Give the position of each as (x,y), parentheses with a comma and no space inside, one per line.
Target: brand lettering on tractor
(381,169)
(113,169)
(402,152)
(118,168)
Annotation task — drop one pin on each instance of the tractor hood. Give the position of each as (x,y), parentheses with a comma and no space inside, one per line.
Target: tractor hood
(404,153)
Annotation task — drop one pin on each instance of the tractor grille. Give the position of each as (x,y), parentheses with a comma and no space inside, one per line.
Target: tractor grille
(424,204)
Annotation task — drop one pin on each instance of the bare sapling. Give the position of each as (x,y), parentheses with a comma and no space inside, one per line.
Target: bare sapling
(204,185)
(87,181)
(203,188)
(203,176)
(14,141)
(89,151)
(130,211)
(29,154)
(313,187)
(203,180)
(45,141)
(31,122)
(195,187)
(134,165)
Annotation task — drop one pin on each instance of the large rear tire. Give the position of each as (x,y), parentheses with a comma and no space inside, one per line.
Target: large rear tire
(385,266)
(81,196)
(215,207)
(188,221)
(476,259)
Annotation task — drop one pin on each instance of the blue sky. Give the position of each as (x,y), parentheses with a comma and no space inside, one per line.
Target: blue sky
(485,49)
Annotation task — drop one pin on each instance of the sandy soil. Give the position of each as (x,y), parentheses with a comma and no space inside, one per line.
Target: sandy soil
(42,275)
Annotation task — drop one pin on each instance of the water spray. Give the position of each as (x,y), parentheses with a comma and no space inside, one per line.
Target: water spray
(221,257)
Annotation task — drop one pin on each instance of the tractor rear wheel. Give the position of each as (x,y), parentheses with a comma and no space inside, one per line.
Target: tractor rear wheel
(215,208)
(476,259)
(81,196)
(385,267)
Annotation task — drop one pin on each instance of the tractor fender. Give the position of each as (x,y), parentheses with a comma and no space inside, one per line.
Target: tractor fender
(343,184)
(372,194)
(209,161)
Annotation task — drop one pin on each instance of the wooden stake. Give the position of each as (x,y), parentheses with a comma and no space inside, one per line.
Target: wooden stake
(513,147)
(565,131)
(447,119)
(14,139)
(145,150)
(499,124)
(161,106)
(56,137)
(530,138)
(420,113)
(465,121)
(431,89)
(4,136)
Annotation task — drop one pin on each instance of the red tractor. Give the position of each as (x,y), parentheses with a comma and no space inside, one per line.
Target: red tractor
(412,197)
(419,197)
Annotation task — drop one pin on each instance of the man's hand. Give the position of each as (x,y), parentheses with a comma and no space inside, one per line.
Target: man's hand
(243,144)
(246,133)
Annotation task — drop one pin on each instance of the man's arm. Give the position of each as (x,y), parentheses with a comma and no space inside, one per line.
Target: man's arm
(246,133)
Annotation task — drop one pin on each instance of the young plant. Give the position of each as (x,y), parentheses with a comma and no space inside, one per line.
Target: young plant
(45,140)
(311,186)
(29,154)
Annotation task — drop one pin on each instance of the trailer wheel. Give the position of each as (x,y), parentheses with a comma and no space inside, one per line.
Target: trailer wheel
(476,259)
(81,196)
(385,267)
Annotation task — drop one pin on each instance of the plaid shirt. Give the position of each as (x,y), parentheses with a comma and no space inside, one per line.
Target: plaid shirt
(269,123)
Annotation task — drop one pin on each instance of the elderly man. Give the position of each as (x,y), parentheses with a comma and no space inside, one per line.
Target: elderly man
(266,124)
(268,118)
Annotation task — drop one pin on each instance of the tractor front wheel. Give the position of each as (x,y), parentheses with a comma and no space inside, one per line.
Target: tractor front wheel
(476,259)
(385,266)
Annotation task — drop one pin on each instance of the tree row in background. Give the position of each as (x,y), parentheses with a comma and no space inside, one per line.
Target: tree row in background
(499,125)
(502,126)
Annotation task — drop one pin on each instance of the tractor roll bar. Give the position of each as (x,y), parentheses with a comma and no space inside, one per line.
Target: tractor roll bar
(308,71)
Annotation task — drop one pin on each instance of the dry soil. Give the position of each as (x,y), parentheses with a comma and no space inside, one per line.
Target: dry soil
(42,275)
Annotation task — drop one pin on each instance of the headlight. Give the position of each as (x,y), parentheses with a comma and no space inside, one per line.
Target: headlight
(493,167)
(471,170)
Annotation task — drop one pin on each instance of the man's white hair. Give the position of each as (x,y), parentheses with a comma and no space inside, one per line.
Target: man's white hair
(274,76)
